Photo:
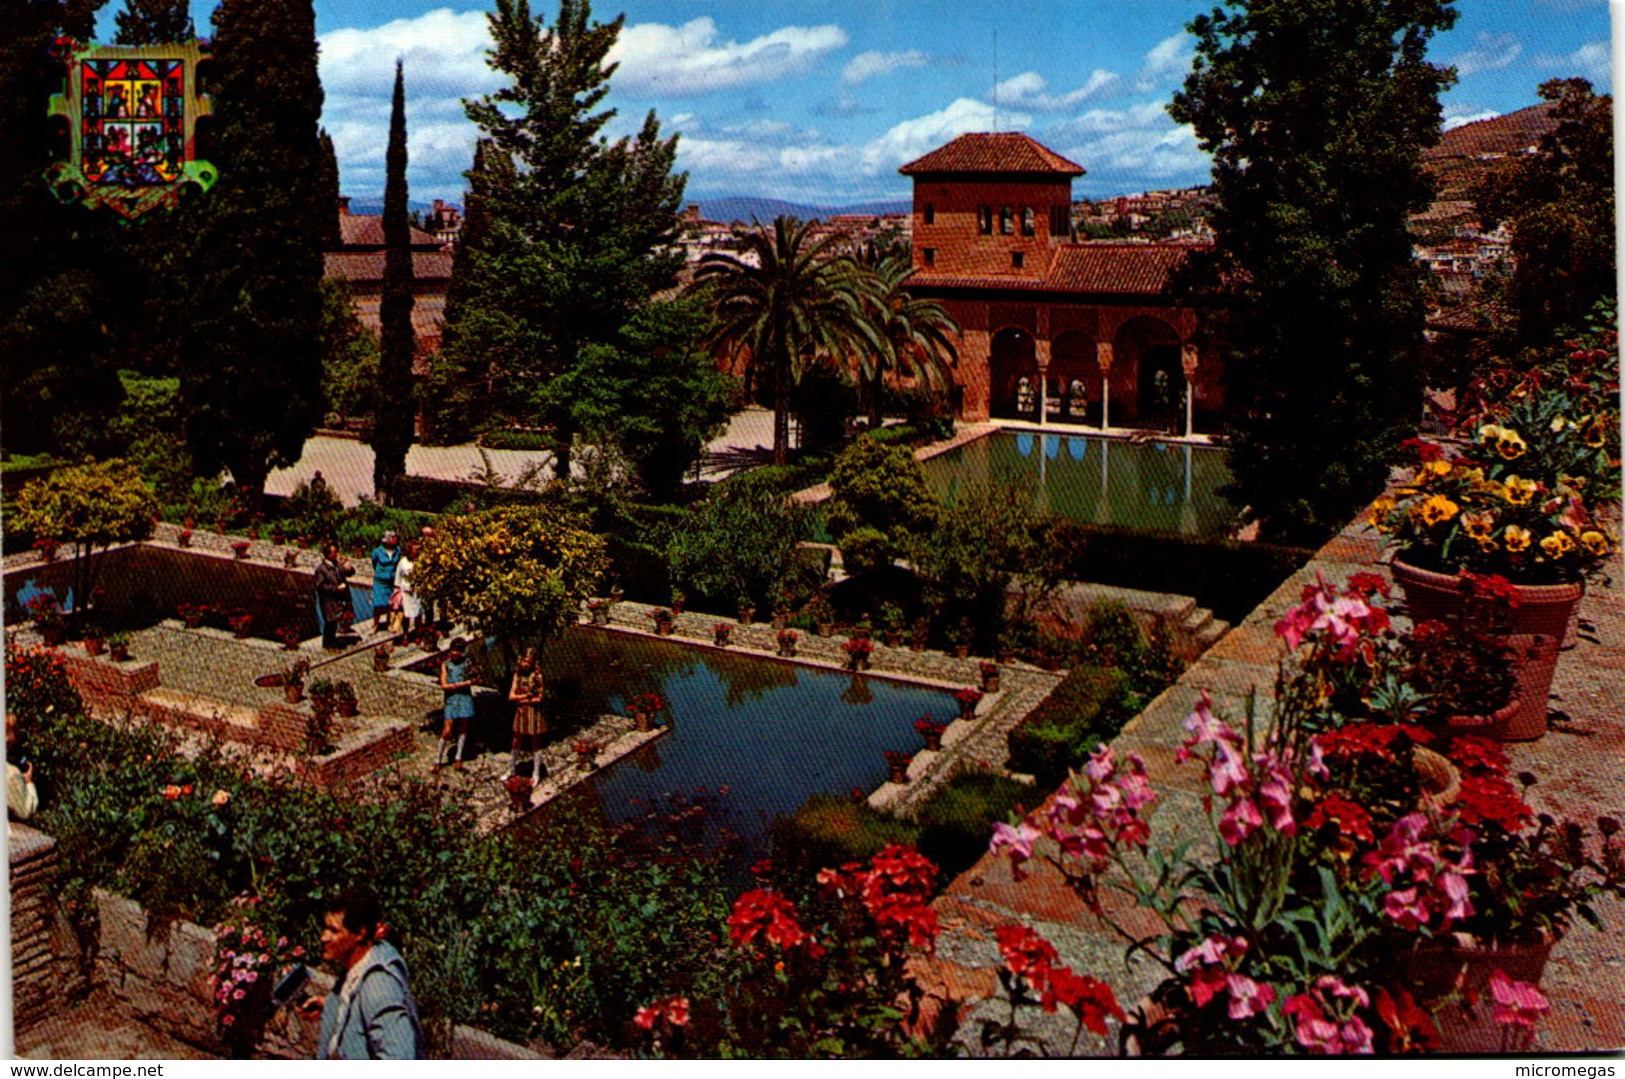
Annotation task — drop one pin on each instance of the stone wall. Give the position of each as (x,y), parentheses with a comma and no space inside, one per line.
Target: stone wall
(44,951)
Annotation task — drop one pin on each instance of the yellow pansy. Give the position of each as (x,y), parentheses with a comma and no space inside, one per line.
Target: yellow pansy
(1517,539)
(1478,525)
(1510,445)
(1557,545)
(1380,509)
(1487,545)
(1519,491)
(1436,510)
(1439,467)
(1593,431)
(1594,542)
(1489,433)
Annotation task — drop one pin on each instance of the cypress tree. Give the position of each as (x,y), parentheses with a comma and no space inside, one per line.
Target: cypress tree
(154,22)
(328,181)
(393,400)
(78,18)
(250,364)
(1316,116)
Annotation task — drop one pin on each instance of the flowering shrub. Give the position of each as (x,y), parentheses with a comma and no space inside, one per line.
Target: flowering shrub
(1520,493)
(858,646)
(788,636)
(969,697)
(45,612)
(585,747)
(929,727)
(241,623)
(1032,966)
(248,961)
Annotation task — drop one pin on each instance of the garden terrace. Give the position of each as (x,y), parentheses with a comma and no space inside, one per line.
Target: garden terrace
(1576,762)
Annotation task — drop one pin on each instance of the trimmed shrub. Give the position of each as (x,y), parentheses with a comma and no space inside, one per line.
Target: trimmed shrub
(509,439)
(1089,707)
(957,820)
(830,830)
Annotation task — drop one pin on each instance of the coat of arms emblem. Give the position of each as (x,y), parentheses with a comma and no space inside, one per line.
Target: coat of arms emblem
(132,113)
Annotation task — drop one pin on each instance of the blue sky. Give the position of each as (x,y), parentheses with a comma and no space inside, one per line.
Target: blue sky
(820,101)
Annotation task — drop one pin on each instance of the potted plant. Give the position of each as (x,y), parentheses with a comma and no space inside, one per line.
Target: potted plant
(598,611)
(519,790)
(787,641)
(278,536)
(1507,517)
(184,537)
(990,676)
(192,614)
(664,621)
(857,651)
(586,753)
(94,639)
(968,698)
(381,656)
(919,634)
(323,698)
(679,601)
(290,636)
(344,699)
(47,547)
(240,548)
(616,592)
(118,646)
(290,559)
(960,635)
(293,681)
(932,731)
(241,624)
(48,618)
(821,613)
(782,609)
(643,709)
(720,633)
(897,765)
(747,609)
(890,620)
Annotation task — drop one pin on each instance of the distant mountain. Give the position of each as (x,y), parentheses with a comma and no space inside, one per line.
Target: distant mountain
(363,206)
(745,207)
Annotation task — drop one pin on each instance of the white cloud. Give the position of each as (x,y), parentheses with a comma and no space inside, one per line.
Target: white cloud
(1463,119)
(1593,60)
(1127,157)
(912,138)
(868,65)
(1151,114)
(1027,91)
(1492,52)
(687,60)
(1168,60)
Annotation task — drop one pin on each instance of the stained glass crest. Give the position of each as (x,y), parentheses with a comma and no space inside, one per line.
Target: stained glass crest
(132,114)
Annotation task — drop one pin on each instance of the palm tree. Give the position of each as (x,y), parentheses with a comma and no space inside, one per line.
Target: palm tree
(782,302)
(903,334)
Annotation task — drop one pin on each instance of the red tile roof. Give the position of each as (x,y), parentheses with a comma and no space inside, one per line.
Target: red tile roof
(1003,152)
(367,230)
(369,265)
(1092,268)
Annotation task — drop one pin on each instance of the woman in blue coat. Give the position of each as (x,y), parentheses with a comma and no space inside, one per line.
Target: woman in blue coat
(385,557)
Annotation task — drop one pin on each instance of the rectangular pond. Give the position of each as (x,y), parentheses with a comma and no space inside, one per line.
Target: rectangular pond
(1148,486)
(751,737)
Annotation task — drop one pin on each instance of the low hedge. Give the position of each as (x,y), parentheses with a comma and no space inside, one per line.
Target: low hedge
(438,496)
(1089,707)
(507,439)
(1227,576)
(831,830)
(956,822)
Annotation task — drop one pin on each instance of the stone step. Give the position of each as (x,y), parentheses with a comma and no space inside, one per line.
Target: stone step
(1211,633)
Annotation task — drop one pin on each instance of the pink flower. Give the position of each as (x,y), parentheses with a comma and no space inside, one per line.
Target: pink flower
(1065,809)
(1240,821)
(220,798)
(1405,908)
(1339,989)
(1275,795)
(1229,769)
(1516,1003)
(1135,784)
(1247,997)
(1205,726)
(1017,841)
(1101,764)
(1211,952)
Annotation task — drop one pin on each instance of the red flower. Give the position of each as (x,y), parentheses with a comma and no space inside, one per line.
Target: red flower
(1517,1004)
(1365,583)
(1410,1027)
(1348,818)
(1491,799)
(761,913)
(673,1010)
(1425,451)
(1025,952)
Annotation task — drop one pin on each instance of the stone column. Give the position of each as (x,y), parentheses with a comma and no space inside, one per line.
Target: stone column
(1103,359)
(1187,360)
(1041,354)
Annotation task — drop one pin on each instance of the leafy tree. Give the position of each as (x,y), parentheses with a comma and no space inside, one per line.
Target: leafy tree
(393,401)
(738,544)
(349,354)
(251,361)
(149,426)
(61,383)
(905,334)
(782,303)
(656,394)
(519,573)
(1560,203)
(78,16)
(154,22)
(90,506)
(981,541)
(583,238)
(883,488)
(1316,116)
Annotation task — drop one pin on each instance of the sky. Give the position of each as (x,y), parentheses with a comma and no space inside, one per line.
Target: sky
(820,101)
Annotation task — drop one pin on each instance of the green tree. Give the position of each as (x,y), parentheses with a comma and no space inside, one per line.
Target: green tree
(1316,115)
(154,22)
(583,237)
(149,428)
(328,183)
(349,354)
(61,382)
(879,487)
(393,402)
(90,506)
(904,334)
(1560,204)
(518,573)
(739,544)
(783,303)
(251,362)
(981,541)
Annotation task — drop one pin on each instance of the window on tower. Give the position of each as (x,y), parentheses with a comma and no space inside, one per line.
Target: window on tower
(1027,225)
(930,214)
(1007,221)
(984,220)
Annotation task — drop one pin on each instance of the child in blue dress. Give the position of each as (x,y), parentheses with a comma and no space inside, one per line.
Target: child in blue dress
(459,690)
(385,557)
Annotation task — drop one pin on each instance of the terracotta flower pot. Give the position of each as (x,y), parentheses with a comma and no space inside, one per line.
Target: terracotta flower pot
(600,616)
(990,683)
(746,614)
(293,692)
(118,652)
(825,629)
(898,772)
(1533,630)
(53,636)
(664,628)
(585,761)
(95,646)
(720,636)
(961,651)
(933,740)
(519,801)
(893,638)
(644,721)
(1458,963)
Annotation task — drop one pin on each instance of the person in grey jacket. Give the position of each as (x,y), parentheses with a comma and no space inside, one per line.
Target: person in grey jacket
(370,1014)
